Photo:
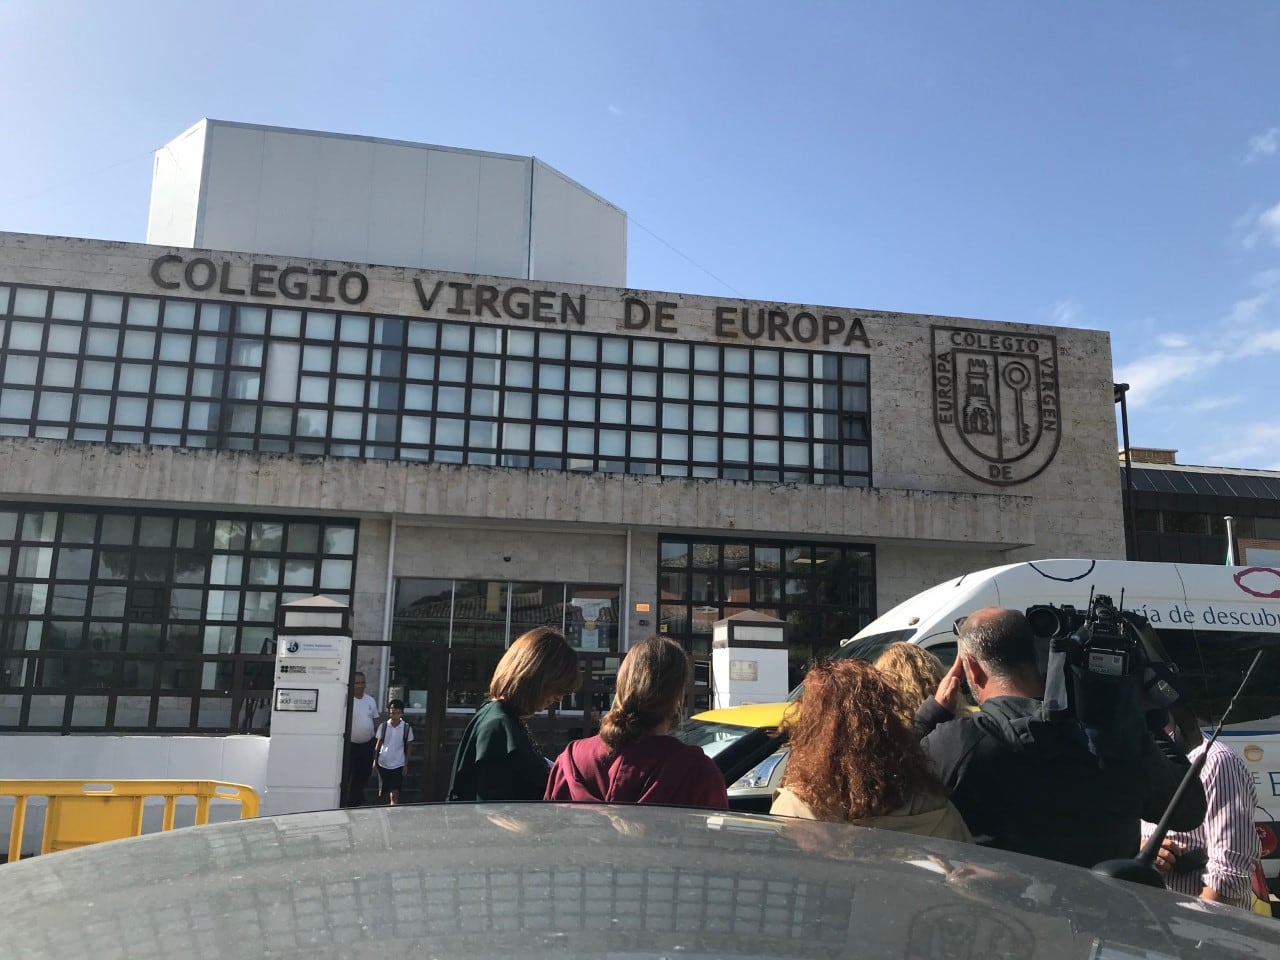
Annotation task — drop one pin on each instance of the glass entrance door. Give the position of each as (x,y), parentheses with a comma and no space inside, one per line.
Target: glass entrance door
(446,640)
(418,667)
(418,673)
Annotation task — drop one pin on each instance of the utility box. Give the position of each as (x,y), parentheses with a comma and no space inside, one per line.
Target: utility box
(748,660)
(309,706)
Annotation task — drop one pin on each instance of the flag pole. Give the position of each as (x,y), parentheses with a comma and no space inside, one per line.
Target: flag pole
(1231,541)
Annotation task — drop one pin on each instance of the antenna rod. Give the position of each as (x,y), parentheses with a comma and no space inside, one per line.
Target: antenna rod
(1148,855)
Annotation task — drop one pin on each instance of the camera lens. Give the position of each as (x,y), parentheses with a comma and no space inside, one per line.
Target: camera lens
(1045,621)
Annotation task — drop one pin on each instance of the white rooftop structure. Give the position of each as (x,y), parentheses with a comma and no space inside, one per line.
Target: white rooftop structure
(328,196)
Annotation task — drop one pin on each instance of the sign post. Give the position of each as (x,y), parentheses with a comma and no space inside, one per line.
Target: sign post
(748,660)
(310,706)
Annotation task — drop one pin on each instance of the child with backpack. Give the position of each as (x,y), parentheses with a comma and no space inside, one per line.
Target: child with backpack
(391,752)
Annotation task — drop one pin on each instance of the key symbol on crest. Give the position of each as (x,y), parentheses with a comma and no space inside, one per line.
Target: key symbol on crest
(1018,378)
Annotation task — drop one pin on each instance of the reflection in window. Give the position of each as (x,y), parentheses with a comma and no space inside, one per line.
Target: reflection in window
(212,374)
(824,591)
(94,597)
(1260,553)
(490,612)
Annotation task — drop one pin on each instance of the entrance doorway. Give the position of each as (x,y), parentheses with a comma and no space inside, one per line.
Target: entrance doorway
(446,640)
(442,687)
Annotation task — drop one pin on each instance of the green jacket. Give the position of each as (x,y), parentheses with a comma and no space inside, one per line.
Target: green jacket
(496,760)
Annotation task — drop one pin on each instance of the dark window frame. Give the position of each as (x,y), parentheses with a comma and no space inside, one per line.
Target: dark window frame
(238,423)
(717,567)
(155,646)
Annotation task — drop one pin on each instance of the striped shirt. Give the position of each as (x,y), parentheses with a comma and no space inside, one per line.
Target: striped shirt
(1227,834)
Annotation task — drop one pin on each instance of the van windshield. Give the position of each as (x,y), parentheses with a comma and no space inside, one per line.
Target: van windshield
(866,648)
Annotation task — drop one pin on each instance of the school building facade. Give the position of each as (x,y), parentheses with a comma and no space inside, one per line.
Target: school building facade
(191,437)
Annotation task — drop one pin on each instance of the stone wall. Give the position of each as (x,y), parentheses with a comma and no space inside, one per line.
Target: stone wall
(928,517)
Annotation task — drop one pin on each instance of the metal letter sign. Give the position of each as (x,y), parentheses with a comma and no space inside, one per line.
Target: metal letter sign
(995,402)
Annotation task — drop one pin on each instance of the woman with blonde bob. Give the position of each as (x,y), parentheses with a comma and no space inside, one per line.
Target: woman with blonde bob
(854,758)
(633,759)
(497,759)
(914,671)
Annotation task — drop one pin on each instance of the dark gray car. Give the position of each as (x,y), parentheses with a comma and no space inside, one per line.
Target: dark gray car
(537,880)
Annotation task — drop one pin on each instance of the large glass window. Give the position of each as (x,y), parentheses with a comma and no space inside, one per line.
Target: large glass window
(476,619)
(133,369)
(144,620)
(825,592)
(495,612)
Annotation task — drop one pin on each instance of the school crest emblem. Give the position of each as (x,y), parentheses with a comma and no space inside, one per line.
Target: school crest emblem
(995,402)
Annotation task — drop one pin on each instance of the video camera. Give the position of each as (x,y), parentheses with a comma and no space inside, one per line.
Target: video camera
(1107,669)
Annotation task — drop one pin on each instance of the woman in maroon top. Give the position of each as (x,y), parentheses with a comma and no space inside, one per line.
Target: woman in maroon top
(633,760)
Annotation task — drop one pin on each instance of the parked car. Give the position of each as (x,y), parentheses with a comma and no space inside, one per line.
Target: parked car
(745,743)
(544,880)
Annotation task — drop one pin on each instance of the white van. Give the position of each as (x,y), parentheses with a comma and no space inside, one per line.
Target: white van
(1210,619)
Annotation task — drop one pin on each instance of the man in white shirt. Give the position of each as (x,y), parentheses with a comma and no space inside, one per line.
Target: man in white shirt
(359,759)
(1216,860)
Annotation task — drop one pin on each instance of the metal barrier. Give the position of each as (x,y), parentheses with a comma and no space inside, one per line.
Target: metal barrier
(81,812)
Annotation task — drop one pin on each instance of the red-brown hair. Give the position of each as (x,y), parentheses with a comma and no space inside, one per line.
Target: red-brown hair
(853,755)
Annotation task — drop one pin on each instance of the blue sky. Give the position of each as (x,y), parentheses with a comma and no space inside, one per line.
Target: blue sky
(1100,164)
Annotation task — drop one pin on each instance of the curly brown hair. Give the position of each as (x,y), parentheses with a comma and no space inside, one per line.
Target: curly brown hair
(913,670)
(852,753)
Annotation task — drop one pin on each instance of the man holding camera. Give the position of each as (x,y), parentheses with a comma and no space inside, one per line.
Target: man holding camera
(1029,783)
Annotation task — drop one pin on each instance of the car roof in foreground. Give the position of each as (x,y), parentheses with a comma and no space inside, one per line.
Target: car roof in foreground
(541,880)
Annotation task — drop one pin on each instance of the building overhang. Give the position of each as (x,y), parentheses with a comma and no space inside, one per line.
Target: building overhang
(172,477)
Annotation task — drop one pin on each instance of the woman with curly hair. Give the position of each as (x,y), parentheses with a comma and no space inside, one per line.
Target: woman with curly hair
(854,758)
(914,671)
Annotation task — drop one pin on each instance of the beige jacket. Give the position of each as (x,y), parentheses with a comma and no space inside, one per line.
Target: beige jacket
(927,815)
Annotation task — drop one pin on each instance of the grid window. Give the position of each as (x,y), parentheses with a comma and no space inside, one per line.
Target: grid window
(135,369)
(107,610)
(825,592)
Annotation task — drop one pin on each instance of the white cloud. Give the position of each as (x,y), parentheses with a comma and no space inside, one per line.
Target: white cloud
(1266,280)
(1250,328)
(1265,229)
(1064,313)
(1265,144)
(1253,323)
(1205,404)
(1265,432)
(1151,377)
(616,111)
(1232,456)
(1250,445)
(1247,310)
(1266,342)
